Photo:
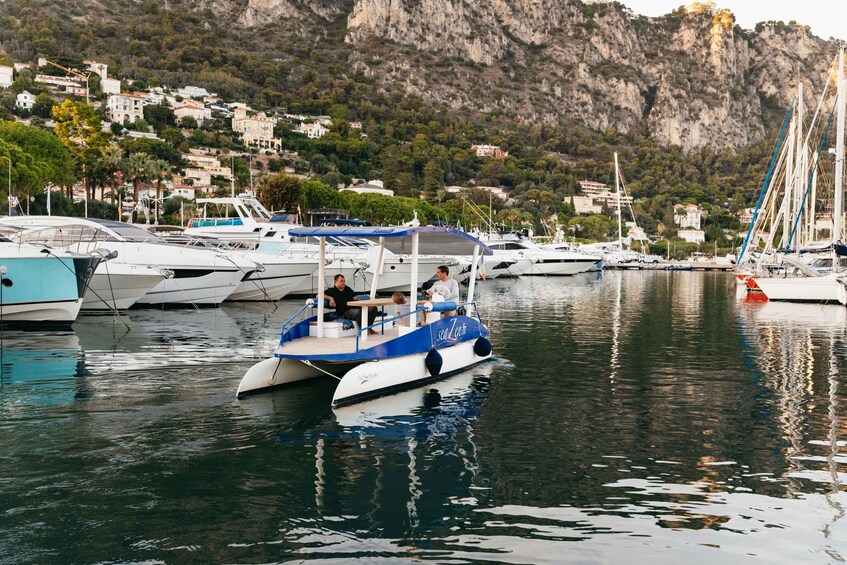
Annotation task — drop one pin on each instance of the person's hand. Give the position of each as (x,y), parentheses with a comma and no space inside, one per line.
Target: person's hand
(331,303)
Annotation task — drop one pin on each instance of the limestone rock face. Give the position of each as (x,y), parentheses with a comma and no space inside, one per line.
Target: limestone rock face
(692,79)
(264,12)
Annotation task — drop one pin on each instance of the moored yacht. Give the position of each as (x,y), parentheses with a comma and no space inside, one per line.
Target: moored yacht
(41,286)
(200,276)
(544,261)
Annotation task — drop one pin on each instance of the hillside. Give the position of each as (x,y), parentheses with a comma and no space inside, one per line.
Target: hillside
(692,80)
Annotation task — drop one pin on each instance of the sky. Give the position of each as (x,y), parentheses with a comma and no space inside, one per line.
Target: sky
(827,18)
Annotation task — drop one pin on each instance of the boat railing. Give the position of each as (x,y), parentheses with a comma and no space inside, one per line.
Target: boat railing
(310,303)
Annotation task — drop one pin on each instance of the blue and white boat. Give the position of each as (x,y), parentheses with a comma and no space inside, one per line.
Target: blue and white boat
(399,355)
(40,286)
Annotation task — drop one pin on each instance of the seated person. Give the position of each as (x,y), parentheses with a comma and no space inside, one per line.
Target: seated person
(339,296)
(445,286)
(401,308)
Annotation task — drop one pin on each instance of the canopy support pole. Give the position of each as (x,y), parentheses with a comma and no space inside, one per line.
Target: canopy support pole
(378,267)
(472,283)
(321,278)
(413,288)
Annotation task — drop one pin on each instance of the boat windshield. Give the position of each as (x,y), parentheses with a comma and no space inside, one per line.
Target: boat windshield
(135,234)
(64,236)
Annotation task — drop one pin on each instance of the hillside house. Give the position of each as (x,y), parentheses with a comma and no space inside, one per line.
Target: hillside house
(125,108)
(110,86)
(193,110)
(687,216)
(68,85)
(490,151)
(256,131)
(312,131)
(596,196)
(25,100)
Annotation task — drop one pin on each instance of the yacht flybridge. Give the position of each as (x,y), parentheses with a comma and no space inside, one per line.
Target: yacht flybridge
(396,357)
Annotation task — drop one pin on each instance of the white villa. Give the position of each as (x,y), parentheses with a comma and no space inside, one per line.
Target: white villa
(25,100)
(110,86)
(125,108)
(312,131)
(687,216)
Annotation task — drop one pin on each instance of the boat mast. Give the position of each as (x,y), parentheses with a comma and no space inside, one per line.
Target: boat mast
(789,182)
(838,204)
(618,196)
(800,171)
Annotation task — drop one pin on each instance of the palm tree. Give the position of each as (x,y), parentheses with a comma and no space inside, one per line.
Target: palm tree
(110,162)
(137,168)
(159,169)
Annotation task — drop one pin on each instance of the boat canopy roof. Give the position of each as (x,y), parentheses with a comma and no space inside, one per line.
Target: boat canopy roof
(433,240)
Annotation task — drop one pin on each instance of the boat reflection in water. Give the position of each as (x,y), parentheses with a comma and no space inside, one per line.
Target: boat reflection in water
(427,432)
(41,369)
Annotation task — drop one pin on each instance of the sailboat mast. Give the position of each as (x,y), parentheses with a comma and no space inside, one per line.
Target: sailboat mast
(800,171)
(789,182)
(618,196)
(838,203)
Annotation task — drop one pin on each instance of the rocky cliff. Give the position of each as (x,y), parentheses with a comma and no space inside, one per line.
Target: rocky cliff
(691,79)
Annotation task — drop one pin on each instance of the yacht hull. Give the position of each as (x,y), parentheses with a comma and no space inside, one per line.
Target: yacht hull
(803,289)
(207,289)
(274,283)
(119,286)
(552,268)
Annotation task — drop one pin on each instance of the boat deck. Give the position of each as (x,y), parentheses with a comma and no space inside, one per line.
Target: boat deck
(308,346)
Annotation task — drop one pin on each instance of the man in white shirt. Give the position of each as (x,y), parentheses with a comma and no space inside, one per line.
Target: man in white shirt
(445,286)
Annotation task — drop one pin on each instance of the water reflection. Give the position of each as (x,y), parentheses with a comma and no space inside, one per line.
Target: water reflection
(40,369)
(630,416)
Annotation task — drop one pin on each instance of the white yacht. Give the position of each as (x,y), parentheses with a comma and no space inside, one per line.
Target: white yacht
(200,276)
(245,219)
(544,261)
(278,276)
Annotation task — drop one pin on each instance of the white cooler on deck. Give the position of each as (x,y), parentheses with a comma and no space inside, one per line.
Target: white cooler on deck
(332,329)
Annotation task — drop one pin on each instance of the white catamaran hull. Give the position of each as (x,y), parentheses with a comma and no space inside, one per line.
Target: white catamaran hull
(803,289)
(377,377)
(365,379)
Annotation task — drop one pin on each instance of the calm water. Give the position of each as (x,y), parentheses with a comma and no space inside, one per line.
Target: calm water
(632,416)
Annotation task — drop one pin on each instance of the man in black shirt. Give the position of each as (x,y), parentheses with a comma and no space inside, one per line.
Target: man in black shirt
(339,295)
